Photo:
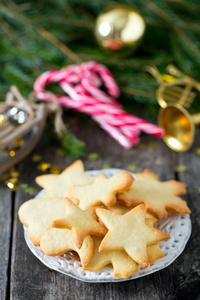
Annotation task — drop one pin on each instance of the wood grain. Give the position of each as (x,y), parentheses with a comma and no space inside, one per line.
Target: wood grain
(5,238)
(187,266)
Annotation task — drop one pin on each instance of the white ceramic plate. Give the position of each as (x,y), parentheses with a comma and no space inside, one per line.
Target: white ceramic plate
(178,227)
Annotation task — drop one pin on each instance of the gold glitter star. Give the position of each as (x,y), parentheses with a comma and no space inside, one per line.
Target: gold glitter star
(197,151)
(181,169)
(43,166)
(132,168)
(93,156)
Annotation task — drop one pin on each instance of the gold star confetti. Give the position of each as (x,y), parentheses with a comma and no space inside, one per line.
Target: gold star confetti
(132,168)
(12,153)
(3,119)
(93,156)
(12,184)
(152,145)
(60,152)
(181,169)
(141,146)
(14,173)
(106,166)
(43,166)
(11,179)
(54,170)
(36,158)
(18,142)
(197,151)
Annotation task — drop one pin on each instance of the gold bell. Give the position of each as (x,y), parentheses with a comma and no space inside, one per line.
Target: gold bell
(175,95)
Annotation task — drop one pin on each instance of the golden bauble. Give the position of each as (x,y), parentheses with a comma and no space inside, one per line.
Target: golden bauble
(119,30)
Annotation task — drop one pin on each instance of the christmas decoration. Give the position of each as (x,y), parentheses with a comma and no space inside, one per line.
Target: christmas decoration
(22,125)
(81,83)
(119,30)
(176,95)
(47,35)
(23,121)
(174,86)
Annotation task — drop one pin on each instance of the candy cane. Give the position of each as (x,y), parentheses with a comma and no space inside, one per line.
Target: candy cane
(81,83)
(112,114)
(104,74)
(125,140)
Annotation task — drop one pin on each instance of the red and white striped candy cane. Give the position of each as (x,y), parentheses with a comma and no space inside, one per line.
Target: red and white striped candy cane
(104,74)
(89,105)
(81,83)
(112,115)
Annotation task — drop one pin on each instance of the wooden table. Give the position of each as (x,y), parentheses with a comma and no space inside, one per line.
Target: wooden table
(23,276)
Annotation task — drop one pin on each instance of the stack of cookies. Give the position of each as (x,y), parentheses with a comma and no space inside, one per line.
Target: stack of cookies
(104,220)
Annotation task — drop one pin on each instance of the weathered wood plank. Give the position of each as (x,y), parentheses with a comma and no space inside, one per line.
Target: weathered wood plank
(32,280)
(5,238)
(187,266)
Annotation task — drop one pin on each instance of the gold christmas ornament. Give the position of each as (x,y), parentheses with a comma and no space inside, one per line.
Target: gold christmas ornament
(119,30)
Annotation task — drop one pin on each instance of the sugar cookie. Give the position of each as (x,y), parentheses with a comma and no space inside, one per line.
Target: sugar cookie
(130,233)
(157,196)
(102,190)
(81,222)
(58,185)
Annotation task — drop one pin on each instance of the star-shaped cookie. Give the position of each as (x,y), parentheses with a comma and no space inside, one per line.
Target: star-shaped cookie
(58,241)
(81,222)
(102,190)
(38,214)
(153,251)
(157,196)
(123,265)
(58,185)
(129,232)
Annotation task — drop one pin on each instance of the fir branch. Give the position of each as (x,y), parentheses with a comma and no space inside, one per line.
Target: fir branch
(68,52)
(189,43)
(66,139)
(134,92)
(67,36)
(65,21)
(191,5)
(161,13)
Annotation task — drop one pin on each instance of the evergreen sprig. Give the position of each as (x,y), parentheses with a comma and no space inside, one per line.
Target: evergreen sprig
(172,36)
(36,36)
